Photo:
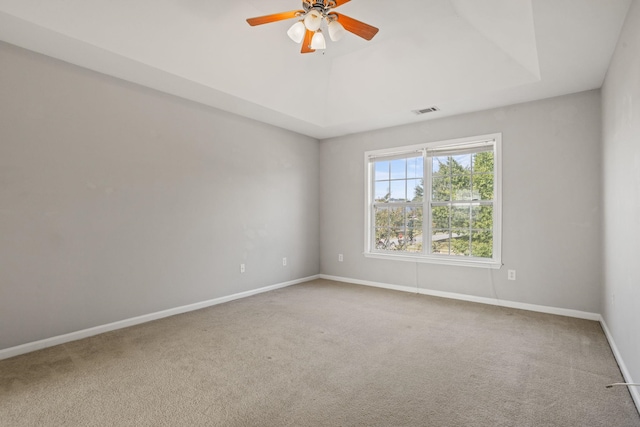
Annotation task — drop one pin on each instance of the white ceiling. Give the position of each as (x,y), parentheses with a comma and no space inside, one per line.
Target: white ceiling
(459,55)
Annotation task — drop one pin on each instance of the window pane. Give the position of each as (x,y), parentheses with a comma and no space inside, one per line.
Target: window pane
(418,192)
(398,191)
(440,216)
(460,217)
(414,245)
(399,238)
(399,169)
(414,218)
(384,235)
(460,244)
(415,167)
(460,163)
(441,189)
(482,217)
(483,162)
(461,187)
(414,230)
(382,217)
(381,171)
(440,242)
(397,219)
(383,238)
(483,186)
(382,191)
(414,190)
(440,165)
(482,244)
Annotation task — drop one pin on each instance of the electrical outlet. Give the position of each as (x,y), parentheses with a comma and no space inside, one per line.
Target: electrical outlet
(340,258)
(511,274)
(284,262)
(241,268)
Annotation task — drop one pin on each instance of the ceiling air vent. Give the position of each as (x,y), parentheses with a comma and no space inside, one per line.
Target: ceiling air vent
(426,110)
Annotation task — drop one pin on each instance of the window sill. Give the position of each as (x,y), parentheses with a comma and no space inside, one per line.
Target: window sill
(492,264)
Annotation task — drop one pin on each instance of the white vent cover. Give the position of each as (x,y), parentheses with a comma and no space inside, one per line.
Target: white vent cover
(426,110)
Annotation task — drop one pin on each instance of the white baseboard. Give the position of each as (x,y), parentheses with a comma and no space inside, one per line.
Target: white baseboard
(635,391)
(73,336)
(482,300)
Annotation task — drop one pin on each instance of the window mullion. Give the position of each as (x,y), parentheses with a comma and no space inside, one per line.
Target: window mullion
(372,209)
(426,209)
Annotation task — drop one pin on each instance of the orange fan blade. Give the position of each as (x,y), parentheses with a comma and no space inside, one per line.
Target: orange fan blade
(356,27)
(306,43)
(340,2)
(275,17)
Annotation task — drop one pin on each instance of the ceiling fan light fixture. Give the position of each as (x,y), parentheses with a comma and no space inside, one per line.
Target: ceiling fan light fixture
(336,30)
(313,20)
(314,15)
(296,32)
(318,42)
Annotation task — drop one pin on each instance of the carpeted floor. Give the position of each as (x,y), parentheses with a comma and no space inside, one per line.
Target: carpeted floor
(326,354)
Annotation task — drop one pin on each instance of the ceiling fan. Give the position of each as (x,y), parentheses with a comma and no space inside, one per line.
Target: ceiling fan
(307,29)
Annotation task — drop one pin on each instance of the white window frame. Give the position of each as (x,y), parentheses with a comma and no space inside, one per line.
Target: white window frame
(425,257)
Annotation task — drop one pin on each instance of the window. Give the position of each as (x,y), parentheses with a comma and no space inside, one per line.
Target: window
(436,202)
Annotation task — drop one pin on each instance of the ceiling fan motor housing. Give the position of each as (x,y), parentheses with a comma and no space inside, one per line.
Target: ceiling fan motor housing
(321,6)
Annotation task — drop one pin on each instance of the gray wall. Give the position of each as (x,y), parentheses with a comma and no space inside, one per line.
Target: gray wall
(551,199)
(621,194)
(118,201)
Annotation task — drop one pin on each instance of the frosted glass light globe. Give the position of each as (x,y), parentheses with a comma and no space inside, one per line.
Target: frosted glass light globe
(297,31)
(313,20)
(336,31)
(318,41)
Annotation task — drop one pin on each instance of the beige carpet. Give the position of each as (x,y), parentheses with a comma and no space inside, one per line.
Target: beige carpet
(326,354)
